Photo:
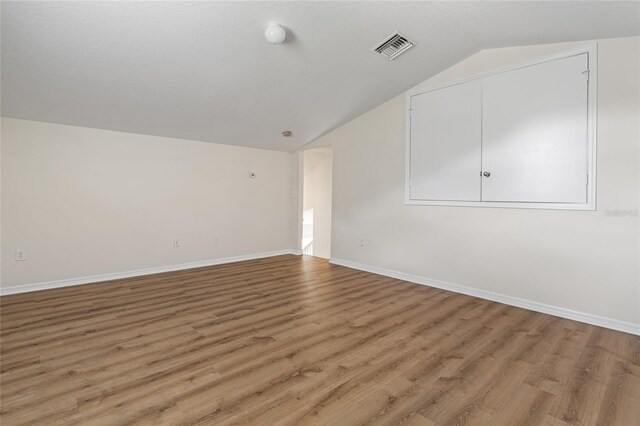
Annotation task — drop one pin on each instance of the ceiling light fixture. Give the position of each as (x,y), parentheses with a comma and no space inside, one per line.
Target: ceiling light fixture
(287,133)
(275,34)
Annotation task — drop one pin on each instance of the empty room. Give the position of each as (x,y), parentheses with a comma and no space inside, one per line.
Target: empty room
(320,213)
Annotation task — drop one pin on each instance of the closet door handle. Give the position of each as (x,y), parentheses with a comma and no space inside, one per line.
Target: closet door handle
(486,174)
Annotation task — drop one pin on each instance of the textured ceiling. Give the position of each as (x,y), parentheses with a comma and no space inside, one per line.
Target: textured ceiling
(203,70)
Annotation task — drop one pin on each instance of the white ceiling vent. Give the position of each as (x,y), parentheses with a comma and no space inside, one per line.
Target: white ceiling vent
(394,46)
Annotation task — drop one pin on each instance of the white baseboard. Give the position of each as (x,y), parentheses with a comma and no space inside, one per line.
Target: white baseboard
(4,291)
(626,327)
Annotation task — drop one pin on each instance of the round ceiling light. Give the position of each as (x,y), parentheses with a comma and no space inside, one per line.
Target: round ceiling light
(287,133)
(275,34)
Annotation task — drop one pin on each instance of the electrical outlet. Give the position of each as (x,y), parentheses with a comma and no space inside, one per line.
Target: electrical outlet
(176,242)
(215,238)
(361,242)
(21,255)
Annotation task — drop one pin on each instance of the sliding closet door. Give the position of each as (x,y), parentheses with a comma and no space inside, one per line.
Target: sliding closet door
(534,135)
(445,143)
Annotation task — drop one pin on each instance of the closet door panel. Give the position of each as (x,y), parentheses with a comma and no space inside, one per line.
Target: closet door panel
(534,133)
(445,143)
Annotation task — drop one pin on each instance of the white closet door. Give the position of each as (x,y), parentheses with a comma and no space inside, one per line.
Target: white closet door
(445,143)
(534,136)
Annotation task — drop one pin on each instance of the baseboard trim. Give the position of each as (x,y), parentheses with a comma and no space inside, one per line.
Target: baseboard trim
(613,324)
(5,291)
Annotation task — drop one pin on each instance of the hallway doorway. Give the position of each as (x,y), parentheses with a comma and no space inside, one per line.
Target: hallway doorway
(316,209)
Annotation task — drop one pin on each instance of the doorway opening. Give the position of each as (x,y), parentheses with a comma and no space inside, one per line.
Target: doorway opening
(317,168)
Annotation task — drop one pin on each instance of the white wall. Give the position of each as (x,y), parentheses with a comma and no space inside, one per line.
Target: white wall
(575,260)
(317,196)
(84,202)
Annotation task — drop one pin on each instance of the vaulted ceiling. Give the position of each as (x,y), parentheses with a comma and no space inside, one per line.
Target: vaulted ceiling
(203,70)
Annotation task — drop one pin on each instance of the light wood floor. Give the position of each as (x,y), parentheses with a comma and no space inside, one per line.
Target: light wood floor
(294,340)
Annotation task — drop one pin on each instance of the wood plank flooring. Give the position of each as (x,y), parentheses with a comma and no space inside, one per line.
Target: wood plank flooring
(295,340)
